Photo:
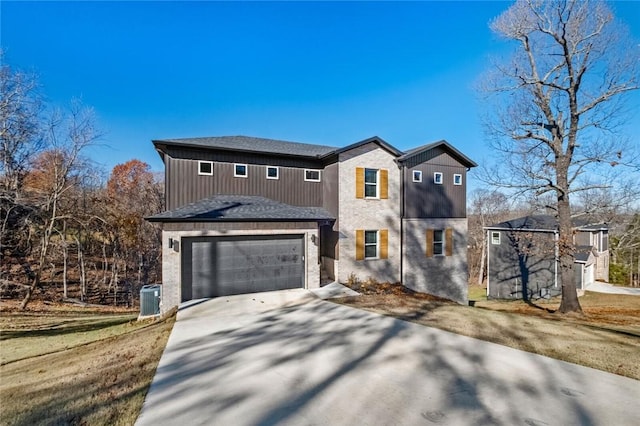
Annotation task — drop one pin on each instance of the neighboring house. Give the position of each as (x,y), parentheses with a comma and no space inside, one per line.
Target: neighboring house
(250,214)
(522,259)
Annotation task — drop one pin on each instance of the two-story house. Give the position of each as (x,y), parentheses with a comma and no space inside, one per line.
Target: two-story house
(249,214)
(522,259)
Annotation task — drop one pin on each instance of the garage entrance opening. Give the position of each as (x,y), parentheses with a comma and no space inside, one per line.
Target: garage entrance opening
(222,266)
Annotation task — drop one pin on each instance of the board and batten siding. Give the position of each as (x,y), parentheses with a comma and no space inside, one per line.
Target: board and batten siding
(184,184)
(427,199)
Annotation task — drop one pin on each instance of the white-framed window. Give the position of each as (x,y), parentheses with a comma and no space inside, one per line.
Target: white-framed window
(417,175)
(273,172)
(240,170)
(438,242)
(205,168)
(495,238)
(370,183)
(311,175)
(457,179)
(370,244)
(437,178)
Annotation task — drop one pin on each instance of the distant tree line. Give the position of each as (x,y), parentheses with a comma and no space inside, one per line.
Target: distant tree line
(66,230)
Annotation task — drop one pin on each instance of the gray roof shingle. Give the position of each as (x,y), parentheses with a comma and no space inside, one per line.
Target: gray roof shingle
(251,144)
(543,222)
(240,208)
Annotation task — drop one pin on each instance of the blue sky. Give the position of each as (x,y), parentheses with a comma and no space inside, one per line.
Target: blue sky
(319,72)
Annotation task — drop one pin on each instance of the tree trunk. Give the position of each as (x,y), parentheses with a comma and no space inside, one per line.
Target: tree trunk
(46,239)
(570,302)
(65,259)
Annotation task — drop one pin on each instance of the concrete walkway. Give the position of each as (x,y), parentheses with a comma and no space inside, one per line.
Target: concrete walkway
(288,358)
(601,287)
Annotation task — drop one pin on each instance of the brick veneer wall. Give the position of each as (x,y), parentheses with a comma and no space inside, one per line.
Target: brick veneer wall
(368,214)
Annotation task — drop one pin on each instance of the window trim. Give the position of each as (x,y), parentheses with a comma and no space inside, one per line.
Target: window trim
(235,170)
(200,172)
(441,242)
(277,169)
(495,241)
(376,244)
(457,175)
(306,179)
(377,184)
(419,174)
(438,178)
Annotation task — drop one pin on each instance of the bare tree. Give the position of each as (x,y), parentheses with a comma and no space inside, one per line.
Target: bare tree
(486,208)
(55,173)
(20,139)
(560,107)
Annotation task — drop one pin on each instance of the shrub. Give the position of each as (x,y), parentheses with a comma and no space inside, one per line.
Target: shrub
(618,273)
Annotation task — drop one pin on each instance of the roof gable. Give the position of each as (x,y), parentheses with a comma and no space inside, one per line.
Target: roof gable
(443,145)
(374,139)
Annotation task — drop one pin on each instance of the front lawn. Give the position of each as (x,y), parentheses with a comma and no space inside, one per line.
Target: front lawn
(66,365)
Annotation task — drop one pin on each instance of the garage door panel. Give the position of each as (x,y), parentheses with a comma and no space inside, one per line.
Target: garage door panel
(218,266)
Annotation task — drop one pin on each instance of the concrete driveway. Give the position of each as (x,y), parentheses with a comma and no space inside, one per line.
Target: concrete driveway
(290,358)
(601,287)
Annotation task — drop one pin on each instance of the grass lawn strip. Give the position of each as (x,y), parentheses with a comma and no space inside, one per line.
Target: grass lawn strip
(100,381)
(66,332)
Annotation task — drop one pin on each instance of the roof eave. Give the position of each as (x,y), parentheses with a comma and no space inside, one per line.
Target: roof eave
(175,220)
(217,148)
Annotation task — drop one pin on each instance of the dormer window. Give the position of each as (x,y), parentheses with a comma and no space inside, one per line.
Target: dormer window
(240,170)
(205,168)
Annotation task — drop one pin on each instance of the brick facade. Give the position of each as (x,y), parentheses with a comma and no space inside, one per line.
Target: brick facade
(444,276)
(368,214)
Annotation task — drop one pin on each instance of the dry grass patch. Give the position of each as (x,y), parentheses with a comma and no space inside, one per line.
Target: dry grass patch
(606,337)
(77,366)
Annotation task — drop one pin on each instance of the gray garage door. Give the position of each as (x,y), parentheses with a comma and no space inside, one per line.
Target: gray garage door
(223,266)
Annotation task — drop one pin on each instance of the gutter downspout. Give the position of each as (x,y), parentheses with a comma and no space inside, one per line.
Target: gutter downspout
(488,268)
(401,167)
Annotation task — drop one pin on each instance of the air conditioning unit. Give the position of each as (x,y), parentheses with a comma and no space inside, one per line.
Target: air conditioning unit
(150,299)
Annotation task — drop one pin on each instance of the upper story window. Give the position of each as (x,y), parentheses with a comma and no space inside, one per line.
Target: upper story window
(240,170)
(205,168)
(371,183)
(417,176)
(495,238)
(437,178)
(273,172)
(457,179)
(312,175)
